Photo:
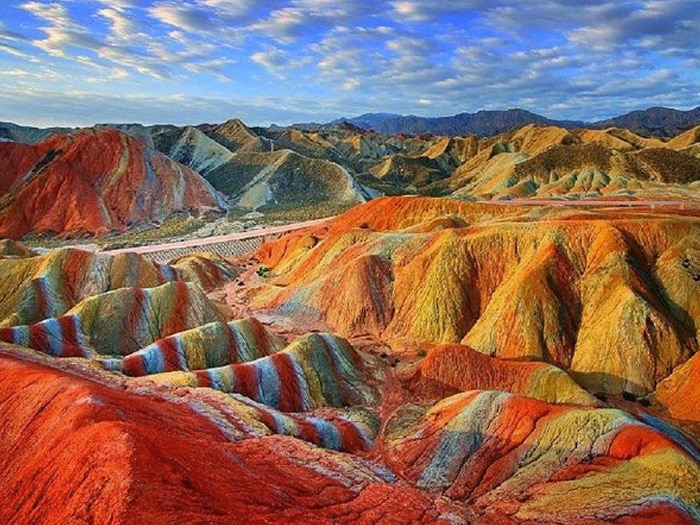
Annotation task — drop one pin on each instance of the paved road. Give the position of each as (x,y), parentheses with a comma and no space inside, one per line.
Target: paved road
(206,241)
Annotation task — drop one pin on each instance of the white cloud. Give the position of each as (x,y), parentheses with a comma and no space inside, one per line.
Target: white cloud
(568,56)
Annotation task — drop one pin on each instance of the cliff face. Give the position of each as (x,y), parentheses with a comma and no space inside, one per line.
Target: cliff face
(94,181)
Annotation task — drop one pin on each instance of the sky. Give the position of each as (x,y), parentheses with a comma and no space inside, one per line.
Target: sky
(77,63)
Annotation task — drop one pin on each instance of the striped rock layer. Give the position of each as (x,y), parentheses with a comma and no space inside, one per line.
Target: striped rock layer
(610,296)
(40,287)
(314,371)
(94,181)
(515,459)
(211,345)
(208,346)
(106,454)
(119,322)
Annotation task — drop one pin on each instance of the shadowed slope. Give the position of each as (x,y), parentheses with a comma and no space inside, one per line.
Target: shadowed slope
(206,269)
(10,248)
(679,393)
(450,369)
(284,178)
(192,148)
(611,297)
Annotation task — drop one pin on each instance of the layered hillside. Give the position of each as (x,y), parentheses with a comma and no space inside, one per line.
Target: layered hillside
(34,288)
(584,164)
(144,180)
(127,395)
(540,161)
(558,464)
(94,182)
(105,452)
(285,179)
(414,360)
(609,296)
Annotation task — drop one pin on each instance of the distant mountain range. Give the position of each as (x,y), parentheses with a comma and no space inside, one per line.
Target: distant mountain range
(653,122)
(656,122)
(482,123)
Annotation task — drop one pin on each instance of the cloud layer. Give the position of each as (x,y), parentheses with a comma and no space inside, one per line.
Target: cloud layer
(78,62)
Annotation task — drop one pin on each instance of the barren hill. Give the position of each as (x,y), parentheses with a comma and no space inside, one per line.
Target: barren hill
(94,182)
(603,297)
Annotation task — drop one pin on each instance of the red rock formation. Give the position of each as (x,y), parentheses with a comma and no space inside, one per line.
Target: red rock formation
(679,393)
(529,460)
(74,449)
(450,369)
(94,182)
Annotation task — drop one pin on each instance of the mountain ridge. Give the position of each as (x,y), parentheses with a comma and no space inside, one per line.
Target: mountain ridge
(654,121)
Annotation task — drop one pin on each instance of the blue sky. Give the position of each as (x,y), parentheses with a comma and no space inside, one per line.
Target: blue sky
(77,62)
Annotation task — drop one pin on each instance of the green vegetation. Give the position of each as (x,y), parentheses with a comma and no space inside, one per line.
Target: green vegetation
(171,228)
(291,213)
(263,271)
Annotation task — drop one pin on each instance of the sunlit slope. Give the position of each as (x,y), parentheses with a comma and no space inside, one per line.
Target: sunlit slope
(608,296)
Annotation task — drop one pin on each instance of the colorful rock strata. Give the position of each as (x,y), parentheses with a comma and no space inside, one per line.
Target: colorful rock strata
(85,449)
(208,346)
(39,287)
(611,297)
(523,458)
(315,370)
(119,322)
(94,181)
